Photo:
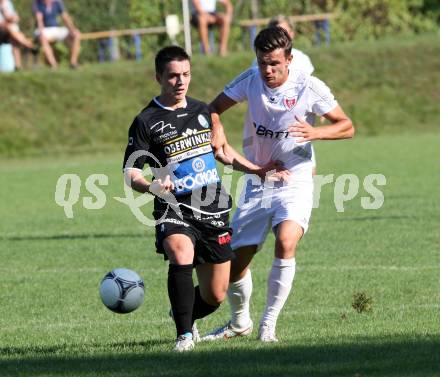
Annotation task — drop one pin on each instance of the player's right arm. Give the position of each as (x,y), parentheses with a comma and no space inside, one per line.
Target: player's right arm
(158,187)
(136,154)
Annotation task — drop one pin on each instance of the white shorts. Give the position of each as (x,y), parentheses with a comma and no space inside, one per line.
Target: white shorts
(54,33)
(259,210)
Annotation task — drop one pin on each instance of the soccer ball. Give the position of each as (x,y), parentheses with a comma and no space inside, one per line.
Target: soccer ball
(122,290)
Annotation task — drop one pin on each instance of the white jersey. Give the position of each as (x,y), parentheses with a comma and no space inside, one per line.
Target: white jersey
(301,62)
(271,111)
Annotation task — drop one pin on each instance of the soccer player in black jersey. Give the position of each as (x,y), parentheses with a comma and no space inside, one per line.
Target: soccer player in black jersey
(173,135)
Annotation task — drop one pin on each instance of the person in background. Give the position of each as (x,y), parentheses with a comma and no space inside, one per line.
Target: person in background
(49,31)
(321,26)
(204,14)
(10,31)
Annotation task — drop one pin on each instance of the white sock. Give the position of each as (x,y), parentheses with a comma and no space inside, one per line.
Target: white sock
(279,285)
(239,295)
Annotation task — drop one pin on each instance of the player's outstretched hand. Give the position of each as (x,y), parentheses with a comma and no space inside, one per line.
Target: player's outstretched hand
(275,171)
(162,187)
(223,157)
(302,131)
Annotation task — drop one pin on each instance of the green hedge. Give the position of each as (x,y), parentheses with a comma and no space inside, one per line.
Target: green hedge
(357,20)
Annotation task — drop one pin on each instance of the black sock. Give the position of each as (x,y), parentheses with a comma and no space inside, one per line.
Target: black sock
(181,294)
(201,308)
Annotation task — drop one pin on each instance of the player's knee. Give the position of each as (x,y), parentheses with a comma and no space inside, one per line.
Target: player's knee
(217,297)
(285,247)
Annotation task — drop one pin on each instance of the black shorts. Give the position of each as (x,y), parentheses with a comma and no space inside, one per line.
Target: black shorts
(4,36)
(210,234)
(195,19)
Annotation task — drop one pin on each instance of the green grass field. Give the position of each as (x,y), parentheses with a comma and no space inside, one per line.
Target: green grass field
(52,322)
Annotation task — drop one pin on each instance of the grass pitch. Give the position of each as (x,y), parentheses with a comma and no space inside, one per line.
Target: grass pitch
(52,322)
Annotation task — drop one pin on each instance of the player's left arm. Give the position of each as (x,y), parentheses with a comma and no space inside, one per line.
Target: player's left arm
(274,170)
(340,127)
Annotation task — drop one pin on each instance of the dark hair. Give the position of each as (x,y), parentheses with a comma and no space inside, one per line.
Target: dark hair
(168,54)
(271,38)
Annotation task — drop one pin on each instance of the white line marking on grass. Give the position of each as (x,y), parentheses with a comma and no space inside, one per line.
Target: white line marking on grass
(375,267)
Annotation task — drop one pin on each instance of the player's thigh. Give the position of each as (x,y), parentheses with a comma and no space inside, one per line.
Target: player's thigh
(250,225)
(287,235)
(213,281)
(179,249)
(240,264)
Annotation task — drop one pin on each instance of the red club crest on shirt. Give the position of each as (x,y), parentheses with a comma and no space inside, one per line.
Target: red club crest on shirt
(290,102)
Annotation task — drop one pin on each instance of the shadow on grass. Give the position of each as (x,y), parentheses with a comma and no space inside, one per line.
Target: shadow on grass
(65,349)
(71,237)
(364,357)
(370,218)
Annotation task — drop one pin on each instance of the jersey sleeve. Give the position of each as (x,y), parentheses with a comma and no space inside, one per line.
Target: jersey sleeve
(237,89)
(138,144)
(308,66)
(302,62)
(321,99)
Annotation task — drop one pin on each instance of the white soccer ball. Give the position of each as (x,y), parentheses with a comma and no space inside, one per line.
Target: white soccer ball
(122,290)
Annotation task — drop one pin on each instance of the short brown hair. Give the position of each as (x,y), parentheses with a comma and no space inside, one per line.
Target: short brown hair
(272,38)
(169,54)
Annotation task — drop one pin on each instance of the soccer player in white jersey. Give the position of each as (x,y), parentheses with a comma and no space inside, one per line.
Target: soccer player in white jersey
(280,100)
(300,60)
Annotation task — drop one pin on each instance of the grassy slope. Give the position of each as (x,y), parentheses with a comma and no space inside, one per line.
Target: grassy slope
(389,86)
(53,324)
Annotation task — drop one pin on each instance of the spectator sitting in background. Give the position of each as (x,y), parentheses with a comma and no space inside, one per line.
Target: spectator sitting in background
(10,32)
(204,14)
(49,31)
(321,26)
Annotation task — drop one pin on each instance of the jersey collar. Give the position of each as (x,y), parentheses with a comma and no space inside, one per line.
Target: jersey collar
(155,99)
